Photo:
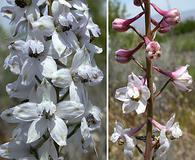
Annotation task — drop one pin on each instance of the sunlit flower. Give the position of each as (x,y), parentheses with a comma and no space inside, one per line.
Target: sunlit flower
(134,96)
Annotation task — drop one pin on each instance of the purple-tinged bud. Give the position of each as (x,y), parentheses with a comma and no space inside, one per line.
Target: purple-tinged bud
(124,56)
(171,16)
(152,49)
(122,25)
(164,26)
(122,59)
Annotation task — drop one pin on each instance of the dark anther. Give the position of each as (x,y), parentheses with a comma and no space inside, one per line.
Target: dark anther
(21,3)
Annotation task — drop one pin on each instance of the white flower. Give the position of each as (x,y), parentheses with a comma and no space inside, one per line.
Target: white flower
(134,96)
(46,115)
(170,128)
(181,78)
(85,69)
(21,12)
(92,117)
(121,136)
(41,61)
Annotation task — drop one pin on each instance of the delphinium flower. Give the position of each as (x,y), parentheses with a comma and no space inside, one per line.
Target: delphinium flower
(169,131)
(134,96)
(54,61)
(141,92)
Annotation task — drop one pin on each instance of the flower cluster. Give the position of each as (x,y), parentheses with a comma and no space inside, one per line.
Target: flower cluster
(54,62)
(139,93)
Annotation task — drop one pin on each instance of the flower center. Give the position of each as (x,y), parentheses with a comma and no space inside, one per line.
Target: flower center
(136,94)
(90,120)
(121,141)
(61,28)
(47,110)
(23,3)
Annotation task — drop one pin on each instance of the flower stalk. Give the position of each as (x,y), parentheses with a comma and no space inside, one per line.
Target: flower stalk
(148,150)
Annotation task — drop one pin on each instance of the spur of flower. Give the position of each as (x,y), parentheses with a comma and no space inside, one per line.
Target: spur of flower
(43,114)
(134,96)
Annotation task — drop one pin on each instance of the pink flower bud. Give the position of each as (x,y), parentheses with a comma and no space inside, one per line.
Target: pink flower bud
(124,56)
(152,49)
(164,26)
(172,16)
(122,59)
(122,25)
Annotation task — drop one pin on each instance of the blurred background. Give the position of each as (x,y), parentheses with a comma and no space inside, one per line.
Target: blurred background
(97,94)
(178,48)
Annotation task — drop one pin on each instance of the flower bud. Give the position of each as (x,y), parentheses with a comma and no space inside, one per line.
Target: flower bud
(172,17)
(122,25)
(152,49)
(122,59)
(124,56)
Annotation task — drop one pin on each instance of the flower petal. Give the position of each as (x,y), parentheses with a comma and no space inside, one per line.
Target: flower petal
(48,149)
(62,78)
(8,116)
(170,122)
(86,135)
(46,92)
(58,131)
(48,66)
(69,110)
(141,107)
(121,94)
(129,146)
(176,131)
(37,129)
(58,43)
(129,106)
(26,111)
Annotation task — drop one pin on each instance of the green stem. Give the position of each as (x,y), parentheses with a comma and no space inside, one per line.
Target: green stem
(148,149)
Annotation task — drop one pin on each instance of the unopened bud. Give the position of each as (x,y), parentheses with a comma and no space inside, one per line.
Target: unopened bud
(122,25)
(172,16)
(152,49)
